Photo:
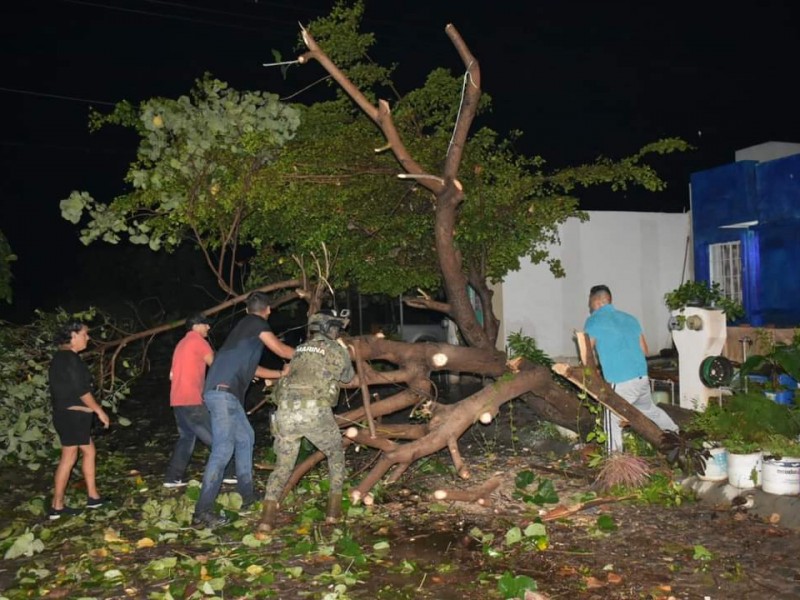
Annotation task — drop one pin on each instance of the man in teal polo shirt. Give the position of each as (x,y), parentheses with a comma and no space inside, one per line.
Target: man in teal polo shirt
(621,350)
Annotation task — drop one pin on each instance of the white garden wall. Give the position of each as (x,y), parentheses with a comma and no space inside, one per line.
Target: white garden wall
(640,256)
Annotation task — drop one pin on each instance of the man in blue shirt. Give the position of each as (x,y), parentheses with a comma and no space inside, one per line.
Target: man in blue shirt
(621,349)
(233,369)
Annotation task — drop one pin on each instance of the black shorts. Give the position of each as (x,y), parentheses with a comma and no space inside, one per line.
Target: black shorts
(74,427)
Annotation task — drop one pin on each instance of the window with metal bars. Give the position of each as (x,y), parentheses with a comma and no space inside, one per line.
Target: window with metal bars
(725,268)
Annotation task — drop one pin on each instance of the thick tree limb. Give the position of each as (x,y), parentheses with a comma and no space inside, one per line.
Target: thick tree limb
(433,357)
(428,304)
(123,341)
(479,494)
(449,422)
(120,343)
(361,370)
(589,379)
(359,436)
(399,431)
(381,114)
(469,103)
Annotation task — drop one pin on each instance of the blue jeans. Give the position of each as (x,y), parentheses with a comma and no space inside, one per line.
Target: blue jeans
(194,423)
(231,434)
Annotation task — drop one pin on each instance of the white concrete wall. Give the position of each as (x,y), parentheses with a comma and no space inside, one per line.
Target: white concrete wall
(640,256)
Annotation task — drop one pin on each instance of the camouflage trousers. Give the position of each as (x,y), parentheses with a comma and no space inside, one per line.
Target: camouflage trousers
(315,423)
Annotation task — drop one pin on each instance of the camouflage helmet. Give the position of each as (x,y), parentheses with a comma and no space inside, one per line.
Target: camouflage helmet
(328,322)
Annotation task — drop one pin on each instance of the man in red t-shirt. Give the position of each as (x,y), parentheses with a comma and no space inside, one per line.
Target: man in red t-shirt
(187,375)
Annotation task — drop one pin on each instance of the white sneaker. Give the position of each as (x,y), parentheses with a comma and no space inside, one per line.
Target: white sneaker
(230,480)
(175,483)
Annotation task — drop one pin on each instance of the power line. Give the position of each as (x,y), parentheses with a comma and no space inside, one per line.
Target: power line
(163,15)
(286,26)
(56,96)
(214,11)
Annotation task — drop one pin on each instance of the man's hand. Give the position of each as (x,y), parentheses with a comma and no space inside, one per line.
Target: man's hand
(101,414)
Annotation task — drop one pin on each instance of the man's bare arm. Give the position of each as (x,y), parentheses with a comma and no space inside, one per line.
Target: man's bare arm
(264,373)
(271,341)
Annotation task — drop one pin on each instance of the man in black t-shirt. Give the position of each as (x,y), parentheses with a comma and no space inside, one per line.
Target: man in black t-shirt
(74,406)
(235,364)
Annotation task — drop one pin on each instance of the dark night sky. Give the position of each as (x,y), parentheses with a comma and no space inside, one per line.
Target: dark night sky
(579,78)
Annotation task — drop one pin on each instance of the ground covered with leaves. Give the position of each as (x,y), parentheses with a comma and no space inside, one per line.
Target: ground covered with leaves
(547,527)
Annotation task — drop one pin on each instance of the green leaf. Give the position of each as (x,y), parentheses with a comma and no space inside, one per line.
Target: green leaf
(535,529)
(606,523)
(24,545)
(347,546)
(294,572)
(546,493)
(524,479)
(701,553)
(162,564)
(510,586)
(513,536)
(251,541)
(113,574)
(407,567)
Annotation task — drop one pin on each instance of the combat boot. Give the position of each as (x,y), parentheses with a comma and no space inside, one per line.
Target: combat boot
(334,508)
(268,515)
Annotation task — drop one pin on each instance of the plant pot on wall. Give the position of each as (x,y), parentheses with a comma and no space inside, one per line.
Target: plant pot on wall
(780,475)
(744,470)
(716,468)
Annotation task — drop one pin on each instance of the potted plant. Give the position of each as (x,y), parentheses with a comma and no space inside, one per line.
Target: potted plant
(702,295)
(744,462)
(780,468)
(742,424)
(707,425)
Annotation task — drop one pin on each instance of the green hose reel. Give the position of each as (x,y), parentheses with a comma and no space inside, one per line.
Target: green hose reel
(716,371)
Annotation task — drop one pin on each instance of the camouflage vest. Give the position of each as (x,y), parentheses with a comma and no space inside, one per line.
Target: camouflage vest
(316,369)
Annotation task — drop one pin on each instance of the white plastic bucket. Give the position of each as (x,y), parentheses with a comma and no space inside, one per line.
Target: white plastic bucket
(781,476)
(741,468)
(660,397)
(716,466)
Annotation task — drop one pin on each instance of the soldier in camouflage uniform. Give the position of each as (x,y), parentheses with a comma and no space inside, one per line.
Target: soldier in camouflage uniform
(305,399)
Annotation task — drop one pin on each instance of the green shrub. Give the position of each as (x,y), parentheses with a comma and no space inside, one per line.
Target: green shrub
(746,420)
(524,346)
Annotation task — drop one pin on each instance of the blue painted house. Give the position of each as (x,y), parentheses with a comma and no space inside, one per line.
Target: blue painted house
(746,231)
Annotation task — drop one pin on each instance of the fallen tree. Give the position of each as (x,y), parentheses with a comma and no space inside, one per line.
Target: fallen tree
(291,230)
(448,422)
